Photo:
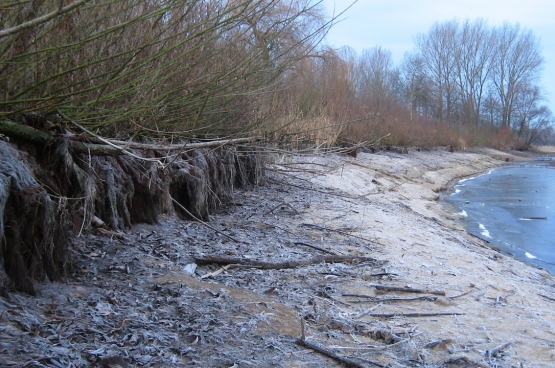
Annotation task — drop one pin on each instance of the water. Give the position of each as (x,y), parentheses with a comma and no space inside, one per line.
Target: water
(512,207)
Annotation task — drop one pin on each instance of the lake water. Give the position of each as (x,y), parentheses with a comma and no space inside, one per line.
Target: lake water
(512,207)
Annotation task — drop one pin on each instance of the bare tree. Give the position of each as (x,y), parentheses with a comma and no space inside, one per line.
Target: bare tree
(530,118)
(376,80)
(415,83)
(474,50)
(517,62)
(438,50)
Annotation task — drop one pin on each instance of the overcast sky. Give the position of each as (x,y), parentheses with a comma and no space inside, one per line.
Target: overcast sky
(393,25)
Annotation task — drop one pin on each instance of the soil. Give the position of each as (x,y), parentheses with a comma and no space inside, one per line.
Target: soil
(419,291)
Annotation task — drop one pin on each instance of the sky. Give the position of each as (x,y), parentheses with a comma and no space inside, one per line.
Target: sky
(394,24)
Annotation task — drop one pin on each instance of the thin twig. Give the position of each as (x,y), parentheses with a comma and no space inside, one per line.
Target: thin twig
(315,247)
(282,204)
(458,296)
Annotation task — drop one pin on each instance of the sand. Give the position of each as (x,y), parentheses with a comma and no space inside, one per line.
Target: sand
(503,299)
(141,301)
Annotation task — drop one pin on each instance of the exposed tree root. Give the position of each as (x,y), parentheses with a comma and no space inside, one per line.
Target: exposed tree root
(50,192)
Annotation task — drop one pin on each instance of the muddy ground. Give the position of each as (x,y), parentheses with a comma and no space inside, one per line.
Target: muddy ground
(359,257)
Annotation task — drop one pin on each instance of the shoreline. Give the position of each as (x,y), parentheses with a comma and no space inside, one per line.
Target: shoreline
(482,233)
(467,262)
(409,286)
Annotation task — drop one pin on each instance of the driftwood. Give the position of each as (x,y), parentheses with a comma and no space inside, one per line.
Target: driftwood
(406,289)
(339,232)
(458,296)
(315,247)
(496,350)
(282,265)
(547,297)
(423,314)
(380,300)
(327,352)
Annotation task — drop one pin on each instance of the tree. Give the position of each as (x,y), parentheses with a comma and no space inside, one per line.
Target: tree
(415,84)
(473,62)
(530,119)
(517,62)
(438,51)
(375,80)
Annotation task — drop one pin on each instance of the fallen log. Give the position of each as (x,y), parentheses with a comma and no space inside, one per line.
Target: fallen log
(282,265)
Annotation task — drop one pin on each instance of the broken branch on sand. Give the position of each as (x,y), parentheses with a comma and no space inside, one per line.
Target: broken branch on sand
(315,247)
(493,352)
(424,314)
(339,232)
(322,350)
(376,300)
(405,289)
(282,265)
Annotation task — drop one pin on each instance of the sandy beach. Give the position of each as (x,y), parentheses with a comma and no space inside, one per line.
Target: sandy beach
(412,289)
(503,300)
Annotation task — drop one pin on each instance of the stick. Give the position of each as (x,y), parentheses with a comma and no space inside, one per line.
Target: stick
(391,315)
(322,350)
(376,300)
(282,204)
(315,247)
(340,232)
(217,272)
(547,297)
(282,265)
(367,312)
(406,289)
(205,224)
(458,296)
(493,352)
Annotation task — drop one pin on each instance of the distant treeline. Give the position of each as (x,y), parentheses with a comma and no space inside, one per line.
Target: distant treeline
(211,68)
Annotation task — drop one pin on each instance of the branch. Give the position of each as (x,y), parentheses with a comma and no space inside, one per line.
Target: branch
(43,19)
(177,147)
(391,315)
(406,289)
(25,133)
(105,147)
(282,265)
(322,350)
